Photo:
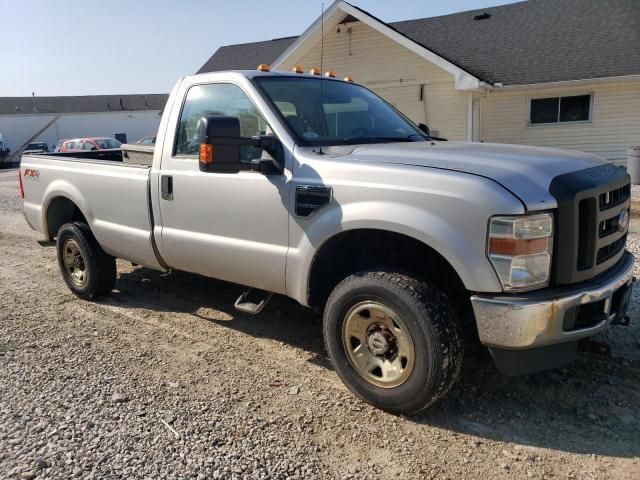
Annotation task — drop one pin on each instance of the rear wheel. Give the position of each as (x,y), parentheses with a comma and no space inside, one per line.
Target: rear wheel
(393,340)
(87,270)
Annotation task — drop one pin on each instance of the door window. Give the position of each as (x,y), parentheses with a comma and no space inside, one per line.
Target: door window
(218,99)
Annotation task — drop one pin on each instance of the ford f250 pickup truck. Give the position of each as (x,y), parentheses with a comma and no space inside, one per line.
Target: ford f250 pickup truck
(315,188)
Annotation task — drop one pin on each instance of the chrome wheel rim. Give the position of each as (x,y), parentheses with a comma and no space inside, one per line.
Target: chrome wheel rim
(74,263)
(378,344)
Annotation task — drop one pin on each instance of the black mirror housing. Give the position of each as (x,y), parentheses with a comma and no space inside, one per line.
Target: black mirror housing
(223,135)
(220,143)
(424,129)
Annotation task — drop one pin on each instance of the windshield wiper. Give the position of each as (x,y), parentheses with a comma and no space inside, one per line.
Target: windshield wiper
(378,139)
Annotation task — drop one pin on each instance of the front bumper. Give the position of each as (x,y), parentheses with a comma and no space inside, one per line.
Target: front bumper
(546,317)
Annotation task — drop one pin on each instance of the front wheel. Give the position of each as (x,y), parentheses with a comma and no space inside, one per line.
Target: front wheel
(393,340)
(87,270)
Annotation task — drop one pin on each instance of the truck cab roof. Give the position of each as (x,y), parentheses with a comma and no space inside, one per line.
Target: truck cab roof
(257,73)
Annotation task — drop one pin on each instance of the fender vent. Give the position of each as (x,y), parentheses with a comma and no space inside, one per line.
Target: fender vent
(311,198)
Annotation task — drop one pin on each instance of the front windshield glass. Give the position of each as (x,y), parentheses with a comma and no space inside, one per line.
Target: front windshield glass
(346,114)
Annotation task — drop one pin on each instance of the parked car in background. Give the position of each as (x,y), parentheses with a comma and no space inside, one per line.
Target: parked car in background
(4,153)
(37,147)
(147,140)
(4,148)
(59,144)
(92,143)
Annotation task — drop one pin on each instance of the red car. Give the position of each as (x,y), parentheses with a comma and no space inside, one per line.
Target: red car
(91,143)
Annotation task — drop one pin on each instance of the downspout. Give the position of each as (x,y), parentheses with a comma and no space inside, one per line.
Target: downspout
(469,116)
(423,99)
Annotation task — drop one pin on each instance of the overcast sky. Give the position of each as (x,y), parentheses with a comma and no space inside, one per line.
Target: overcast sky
(84,47)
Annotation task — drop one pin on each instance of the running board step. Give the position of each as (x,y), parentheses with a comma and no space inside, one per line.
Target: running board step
(244,305)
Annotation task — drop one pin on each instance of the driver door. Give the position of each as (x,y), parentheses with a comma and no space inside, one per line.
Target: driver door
(229,226)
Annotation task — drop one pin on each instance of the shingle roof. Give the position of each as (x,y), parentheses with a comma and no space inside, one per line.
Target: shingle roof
(246,56)
(88,103)
(535,41)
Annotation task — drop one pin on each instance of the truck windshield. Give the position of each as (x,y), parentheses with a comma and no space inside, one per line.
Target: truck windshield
(346,114)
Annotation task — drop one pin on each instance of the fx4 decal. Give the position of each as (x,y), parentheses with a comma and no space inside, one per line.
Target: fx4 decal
(32,174)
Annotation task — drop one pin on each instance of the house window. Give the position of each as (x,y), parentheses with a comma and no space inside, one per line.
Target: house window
(576,108)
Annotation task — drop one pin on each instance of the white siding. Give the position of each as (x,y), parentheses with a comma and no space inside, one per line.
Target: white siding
(395,73)
(615,121)
(17,129)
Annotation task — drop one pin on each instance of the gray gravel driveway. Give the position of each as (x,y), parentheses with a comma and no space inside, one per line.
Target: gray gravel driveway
(164,379)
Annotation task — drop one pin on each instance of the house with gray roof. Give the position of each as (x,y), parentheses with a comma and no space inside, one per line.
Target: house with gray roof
(560,73)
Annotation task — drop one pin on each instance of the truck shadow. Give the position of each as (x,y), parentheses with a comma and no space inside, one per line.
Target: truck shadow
(589,407)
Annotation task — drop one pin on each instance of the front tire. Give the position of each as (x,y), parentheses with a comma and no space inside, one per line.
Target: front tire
(87,270)
(394,341)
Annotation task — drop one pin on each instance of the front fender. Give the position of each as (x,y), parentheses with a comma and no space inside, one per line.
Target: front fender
(451,217)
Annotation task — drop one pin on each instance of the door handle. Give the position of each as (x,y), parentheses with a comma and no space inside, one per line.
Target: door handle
(167,187)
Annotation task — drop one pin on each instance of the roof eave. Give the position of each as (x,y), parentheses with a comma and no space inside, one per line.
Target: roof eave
(568,83)
(463,79)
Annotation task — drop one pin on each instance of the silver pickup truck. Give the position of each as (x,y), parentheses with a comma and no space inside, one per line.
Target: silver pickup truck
(315,188)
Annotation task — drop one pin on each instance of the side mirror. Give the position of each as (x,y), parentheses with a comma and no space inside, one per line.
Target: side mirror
(220,143)
(424,129)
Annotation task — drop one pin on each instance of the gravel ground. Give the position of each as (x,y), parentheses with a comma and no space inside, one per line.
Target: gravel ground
(164,379)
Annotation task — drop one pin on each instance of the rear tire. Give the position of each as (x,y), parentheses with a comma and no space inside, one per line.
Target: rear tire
(87,270)
(394,341)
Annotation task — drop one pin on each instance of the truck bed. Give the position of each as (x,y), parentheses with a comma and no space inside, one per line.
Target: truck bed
(112,196)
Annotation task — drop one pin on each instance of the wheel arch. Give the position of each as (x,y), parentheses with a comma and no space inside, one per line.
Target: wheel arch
(351,251)
(62,203)
(60,210)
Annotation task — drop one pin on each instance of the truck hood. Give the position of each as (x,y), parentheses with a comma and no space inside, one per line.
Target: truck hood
(525,171)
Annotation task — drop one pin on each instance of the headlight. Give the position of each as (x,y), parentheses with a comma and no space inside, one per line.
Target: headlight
(520,250)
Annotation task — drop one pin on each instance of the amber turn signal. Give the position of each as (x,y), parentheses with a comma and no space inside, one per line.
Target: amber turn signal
(315,71)
(348,78)
(330,74)
(263,67)
(514,247)
(206,153)
(297,69)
